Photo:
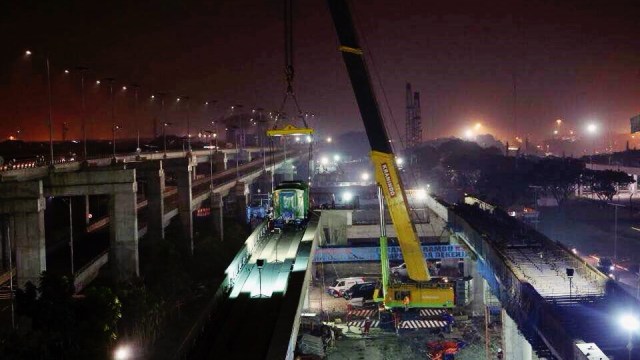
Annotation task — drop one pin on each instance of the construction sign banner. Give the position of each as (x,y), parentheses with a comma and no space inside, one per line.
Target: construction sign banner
(372,253)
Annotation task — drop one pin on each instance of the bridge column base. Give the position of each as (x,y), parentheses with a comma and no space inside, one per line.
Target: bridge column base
(184,171)
(25,204)
(516,347)
(155,198)
(479,286)
(217,214)
(123,249)
(240,193)
(30,246)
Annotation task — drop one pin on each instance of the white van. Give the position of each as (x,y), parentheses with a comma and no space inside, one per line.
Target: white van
(399,271)
(343,284)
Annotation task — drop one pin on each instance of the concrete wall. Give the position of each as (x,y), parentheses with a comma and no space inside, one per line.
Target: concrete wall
(373,231)
(333,271)
(438,207)
(333,225)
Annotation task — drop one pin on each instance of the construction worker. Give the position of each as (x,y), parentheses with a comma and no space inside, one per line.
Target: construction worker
(406,302)
(367,326)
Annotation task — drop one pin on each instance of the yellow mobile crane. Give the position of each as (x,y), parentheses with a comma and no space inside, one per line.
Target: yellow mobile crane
(421,290)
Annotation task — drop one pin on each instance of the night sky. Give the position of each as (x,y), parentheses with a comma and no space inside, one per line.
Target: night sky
(574,60)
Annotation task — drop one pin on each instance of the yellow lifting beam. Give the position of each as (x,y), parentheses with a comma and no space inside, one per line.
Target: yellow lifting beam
(290,130)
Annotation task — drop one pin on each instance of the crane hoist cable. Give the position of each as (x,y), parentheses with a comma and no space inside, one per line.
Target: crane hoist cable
(289,70)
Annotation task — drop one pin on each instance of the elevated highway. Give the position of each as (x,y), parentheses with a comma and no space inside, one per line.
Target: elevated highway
(553,308)
(140,200)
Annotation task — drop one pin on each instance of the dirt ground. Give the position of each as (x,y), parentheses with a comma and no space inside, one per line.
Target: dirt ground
(408,344)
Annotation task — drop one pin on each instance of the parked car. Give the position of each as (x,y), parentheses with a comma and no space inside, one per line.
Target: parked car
(348,294)
(343,284)
(361,294)
(400,270)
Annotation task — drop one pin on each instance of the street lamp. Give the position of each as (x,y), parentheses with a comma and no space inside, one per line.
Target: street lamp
(630,323)
(421,194)
(468,134)
(123,352)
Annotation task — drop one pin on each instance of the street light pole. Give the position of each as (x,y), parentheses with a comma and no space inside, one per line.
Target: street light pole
(5,225)
(215,134)
(113,116)
(71,234)
(210,134)
(615,230)
(136,87)
(82,71)
(164,137)
(188,123)
(50,112)
(237,155)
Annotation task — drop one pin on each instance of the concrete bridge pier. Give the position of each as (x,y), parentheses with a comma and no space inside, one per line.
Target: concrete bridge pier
(184,170)
(26,204)
(220,161)
(240,191)
(217,214)
(516,347)
(479,287)
(121,186)
(123,247)
(152,173)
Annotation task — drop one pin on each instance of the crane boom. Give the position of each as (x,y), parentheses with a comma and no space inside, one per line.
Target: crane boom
(386,171)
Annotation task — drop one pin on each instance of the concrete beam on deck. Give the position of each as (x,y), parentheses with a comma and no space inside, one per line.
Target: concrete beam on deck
(90,182)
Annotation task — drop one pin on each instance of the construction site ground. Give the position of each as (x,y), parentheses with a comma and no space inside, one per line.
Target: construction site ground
(382,342)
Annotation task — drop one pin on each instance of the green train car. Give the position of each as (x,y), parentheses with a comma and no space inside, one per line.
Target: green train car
(290,203)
